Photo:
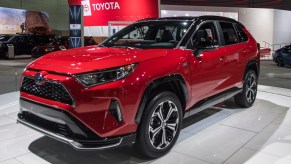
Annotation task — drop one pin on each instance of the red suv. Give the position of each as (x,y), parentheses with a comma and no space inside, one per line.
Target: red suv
(138,85)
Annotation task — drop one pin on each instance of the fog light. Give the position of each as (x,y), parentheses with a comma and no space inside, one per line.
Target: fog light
(114,108)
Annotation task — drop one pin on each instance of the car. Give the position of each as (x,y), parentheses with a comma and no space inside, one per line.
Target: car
(5,37)
(24,43)
(282,56)
(138,85)
(61,43)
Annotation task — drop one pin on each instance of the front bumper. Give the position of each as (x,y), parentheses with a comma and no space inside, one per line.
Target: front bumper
(91,106)
(60,125)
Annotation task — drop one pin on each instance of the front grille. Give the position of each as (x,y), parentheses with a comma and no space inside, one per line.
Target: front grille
(48,90)
(61,129)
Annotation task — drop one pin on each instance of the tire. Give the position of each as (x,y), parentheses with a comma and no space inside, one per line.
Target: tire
(247,97)
(280,62)
(158,130)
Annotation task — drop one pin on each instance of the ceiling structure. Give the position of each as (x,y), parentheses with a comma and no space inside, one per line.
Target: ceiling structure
(275,4)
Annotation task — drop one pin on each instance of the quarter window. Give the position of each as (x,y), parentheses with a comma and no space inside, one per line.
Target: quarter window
(241,34)
(229,33)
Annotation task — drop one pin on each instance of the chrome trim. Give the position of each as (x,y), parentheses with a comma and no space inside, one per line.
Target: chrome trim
(55,82)
(73,143)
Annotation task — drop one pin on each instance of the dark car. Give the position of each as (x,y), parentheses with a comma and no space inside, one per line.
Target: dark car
(23,44)
(5,37)
(282,56)
(62,43)
(138,85)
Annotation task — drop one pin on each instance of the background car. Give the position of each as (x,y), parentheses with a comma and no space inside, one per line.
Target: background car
(5,37)
(61,43)
(23,43)
(282,56)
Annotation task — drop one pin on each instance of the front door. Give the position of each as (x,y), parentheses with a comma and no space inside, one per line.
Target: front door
(207,63)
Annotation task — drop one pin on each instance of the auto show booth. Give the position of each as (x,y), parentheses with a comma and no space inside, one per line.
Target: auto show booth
(102,19)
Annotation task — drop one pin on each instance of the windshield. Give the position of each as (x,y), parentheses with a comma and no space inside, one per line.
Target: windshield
(5,37)
(150,34)
(13,39)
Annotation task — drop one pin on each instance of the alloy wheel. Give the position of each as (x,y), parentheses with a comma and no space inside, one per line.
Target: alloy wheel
(251,88)
(280,62)
(163,124)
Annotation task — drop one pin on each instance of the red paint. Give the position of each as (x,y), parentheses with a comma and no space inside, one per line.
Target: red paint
(103,11)
(74,2)
(204,77)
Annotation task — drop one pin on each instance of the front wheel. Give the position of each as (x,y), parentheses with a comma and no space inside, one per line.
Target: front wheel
(160,125)
(280,62)
(247,97)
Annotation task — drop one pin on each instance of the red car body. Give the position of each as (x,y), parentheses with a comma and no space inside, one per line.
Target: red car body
(203,77)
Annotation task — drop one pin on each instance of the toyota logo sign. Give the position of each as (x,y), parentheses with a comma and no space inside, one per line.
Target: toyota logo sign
(39,79)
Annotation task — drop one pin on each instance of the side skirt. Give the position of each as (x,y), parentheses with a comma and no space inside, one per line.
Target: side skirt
(211,101)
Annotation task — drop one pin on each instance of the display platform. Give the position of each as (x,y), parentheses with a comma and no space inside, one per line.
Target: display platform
(226,134)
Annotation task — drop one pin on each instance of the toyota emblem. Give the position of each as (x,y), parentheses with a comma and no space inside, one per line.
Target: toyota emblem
(39,79)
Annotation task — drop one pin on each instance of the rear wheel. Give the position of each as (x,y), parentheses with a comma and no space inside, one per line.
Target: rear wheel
(247,97)
(280,62)
(160,125)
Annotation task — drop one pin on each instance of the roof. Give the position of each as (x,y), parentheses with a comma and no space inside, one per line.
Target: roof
(189,18)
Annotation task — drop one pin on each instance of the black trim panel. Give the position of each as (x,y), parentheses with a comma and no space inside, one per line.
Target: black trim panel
(153,85)
(62,126)
(211,101)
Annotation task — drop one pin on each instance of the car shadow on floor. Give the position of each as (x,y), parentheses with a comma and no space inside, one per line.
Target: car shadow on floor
(57,152)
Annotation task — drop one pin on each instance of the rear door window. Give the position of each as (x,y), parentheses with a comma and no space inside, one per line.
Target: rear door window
(229,33)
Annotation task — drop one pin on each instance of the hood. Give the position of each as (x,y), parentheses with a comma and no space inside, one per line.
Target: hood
(92,58)
(45,46)
(5,42)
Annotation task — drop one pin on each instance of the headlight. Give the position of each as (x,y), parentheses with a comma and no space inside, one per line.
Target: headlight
(109,75)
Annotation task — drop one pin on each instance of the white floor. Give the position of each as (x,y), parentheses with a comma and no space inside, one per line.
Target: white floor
(258,135)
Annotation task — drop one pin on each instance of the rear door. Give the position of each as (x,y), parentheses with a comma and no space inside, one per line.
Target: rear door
(207,68)
(288,55)
(236,46)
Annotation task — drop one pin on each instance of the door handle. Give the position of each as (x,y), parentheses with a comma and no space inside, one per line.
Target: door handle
(221,59)
(244,51)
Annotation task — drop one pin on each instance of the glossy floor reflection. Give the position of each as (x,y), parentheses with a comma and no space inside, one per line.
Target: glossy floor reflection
(226,134)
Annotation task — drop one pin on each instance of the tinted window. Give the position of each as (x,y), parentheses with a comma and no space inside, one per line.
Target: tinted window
(241,35)
(150,34)
(229,33)
(205,37)
(29,39)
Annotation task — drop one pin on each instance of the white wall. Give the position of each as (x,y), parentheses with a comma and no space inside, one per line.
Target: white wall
(282,27)
(259,22)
